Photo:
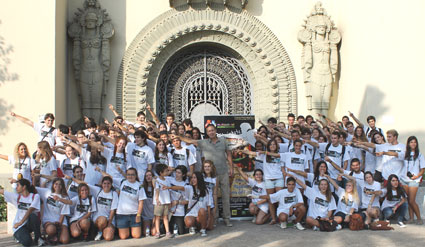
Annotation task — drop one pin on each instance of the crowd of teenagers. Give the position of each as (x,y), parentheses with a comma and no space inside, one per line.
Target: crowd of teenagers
(153,178)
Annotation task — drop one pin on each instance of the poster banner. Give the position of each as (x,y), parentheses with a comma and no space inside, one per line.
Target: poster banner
(239,132)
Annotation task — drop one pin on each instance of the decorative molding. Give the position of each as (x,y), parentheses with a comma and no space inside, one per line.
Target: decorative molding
(272,74)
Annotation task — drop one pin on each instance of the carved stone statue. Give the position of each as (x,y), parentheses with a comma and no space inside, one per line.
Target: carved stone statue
(90,31)
(319,59)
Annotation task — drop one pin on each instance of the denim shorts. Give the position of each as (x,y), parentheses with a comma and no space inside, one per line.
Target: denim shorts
(126,221)
(273,183)
(410,184)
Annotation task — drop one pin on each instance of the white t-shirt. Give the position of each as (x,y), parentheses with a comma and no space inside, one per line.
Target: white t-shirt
(319,206)
(46,168)
(31,201)
(391,164)
(164,195)
(315,183)
(258,163)
(22,166)
(375,186)
(113,163)
(72,189)
(180,158)
(130,195)
(68,164)
(298,162)
(141,157)
(43,130)
(177,195)
(192,198)
(210,184)
(394,201)
(286,199)
(273,168)
(163,159)
(79,209)
(335,154)
(343,206)
(105,201)
(53,209)
(413,166)
(370,162)
(92,176)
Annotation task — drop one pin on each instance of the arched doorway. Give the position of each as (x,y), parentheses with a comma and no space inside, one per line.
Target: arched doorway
(203,79)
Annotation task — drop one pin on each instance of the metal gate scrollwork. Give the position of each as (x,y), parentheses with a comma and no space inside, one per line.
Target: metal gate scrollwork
(203,76)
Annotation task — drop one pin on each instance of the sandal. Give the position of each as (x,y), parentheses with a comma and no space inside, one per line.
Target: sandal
(157,235)
(273,222)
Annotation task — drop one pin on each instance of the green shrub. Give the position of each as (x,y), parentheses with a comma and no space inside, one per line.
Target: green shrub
(3,209)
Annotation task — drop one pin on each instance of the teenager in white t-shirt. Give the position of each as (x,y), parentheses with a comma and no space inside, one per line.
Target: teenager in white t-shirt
(258,207)
(273,171)
(291,203)
(182,156)
(27,202)
(46,131)
(71,161)
(82,208)
(21,162)
(198,206)
(162,200)
(178,200)
(209,172)
(72,186)
(130,206)
(413,170)
(314,178)
(395,202)
(348,201)
(56,206)
(162,156)
(370,192)
(147,213)
(296,160)
(322,203)
(140,154)
(44,163)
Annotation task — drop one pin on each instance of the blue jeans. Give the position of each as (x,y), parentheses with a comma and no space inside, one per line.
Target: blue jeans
(400,212)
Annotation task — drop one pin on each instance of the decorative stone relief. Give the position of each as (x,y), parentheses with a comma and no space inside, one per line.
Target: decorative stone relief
(272,75)
(320,38)
(91,31)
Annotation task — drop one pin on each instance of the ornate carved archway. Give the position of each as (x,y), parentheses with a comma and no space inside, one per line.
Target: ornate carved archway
(267,63)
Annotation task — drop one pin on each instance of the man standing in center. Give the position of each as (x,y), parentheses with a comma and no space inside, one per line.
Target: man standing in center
(216,149)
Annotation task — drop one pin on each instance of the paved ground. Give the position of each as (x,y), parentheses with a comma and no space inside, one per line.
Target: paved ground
(244,233)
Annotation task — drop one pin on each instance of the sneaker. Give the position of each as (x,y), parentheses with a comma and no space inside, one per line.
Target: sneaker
(299,226)
(192,231)
(157,236)
(401,224)
(203,233)
(419,222)
(227,223)
(338,227)
(98,236)
(283,225)
(169,235)
(254,219)
(410,221)
(40,242)
(315,228)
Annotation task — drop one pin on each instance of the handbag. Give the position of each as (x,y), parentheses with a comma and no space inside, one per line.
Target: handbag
(327,225)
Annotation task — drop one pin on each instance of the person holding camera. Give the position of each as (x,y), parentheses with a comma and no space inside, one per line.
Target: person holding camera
(413,170)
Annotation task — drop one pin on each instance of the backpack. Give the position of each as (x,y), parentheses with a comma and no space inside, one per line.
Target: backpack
(356,222)
(326,226)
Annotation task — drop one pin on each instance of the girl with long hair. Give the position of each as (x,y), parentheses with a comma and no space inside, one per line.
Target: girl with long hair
(313,179)
(178,200)
(395,202)
(45,163)
(371,190)
(82,209)
(27,202)
(209,172)
(147,213)
(56,206)
(414,168)
(21,162)
(198,206)
(162,155)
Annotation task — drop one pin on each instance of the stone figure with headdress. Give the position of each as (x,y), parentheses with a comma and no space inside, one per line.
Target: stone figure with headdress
(320,38)
(91,31)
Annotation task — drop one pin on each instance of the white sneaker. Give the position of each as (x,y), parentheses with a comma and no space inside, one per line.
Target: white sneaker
(315,228)
(203,233)
(338,227)
(401,224)
(192,230)
(254,219)
(283,225)
(98,236)
(299,226)
(40,242)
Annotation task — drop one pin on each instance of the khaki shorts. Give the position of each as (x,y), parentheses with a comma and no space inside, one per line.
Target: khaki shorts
(161,210)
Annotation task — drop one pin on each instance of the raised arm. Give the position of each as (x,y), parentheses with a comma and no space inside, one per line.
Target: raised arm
(154,116)
(243,174)
(314,144)
(332,182)
(23,119)
(301,173)
(366,144)
(261,139)
(337,167)
(4,157)
(299,182)
(356,119)
(73,145)
(96,145)
(248,152)
(111,107)
(185,139)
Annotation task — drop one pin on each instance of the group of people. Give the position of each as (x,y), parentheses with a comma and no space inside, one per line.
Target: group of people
(153,178)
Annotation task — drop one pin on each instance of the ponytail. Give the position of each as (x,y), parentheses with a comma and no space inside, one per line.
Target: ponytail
(29,187)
